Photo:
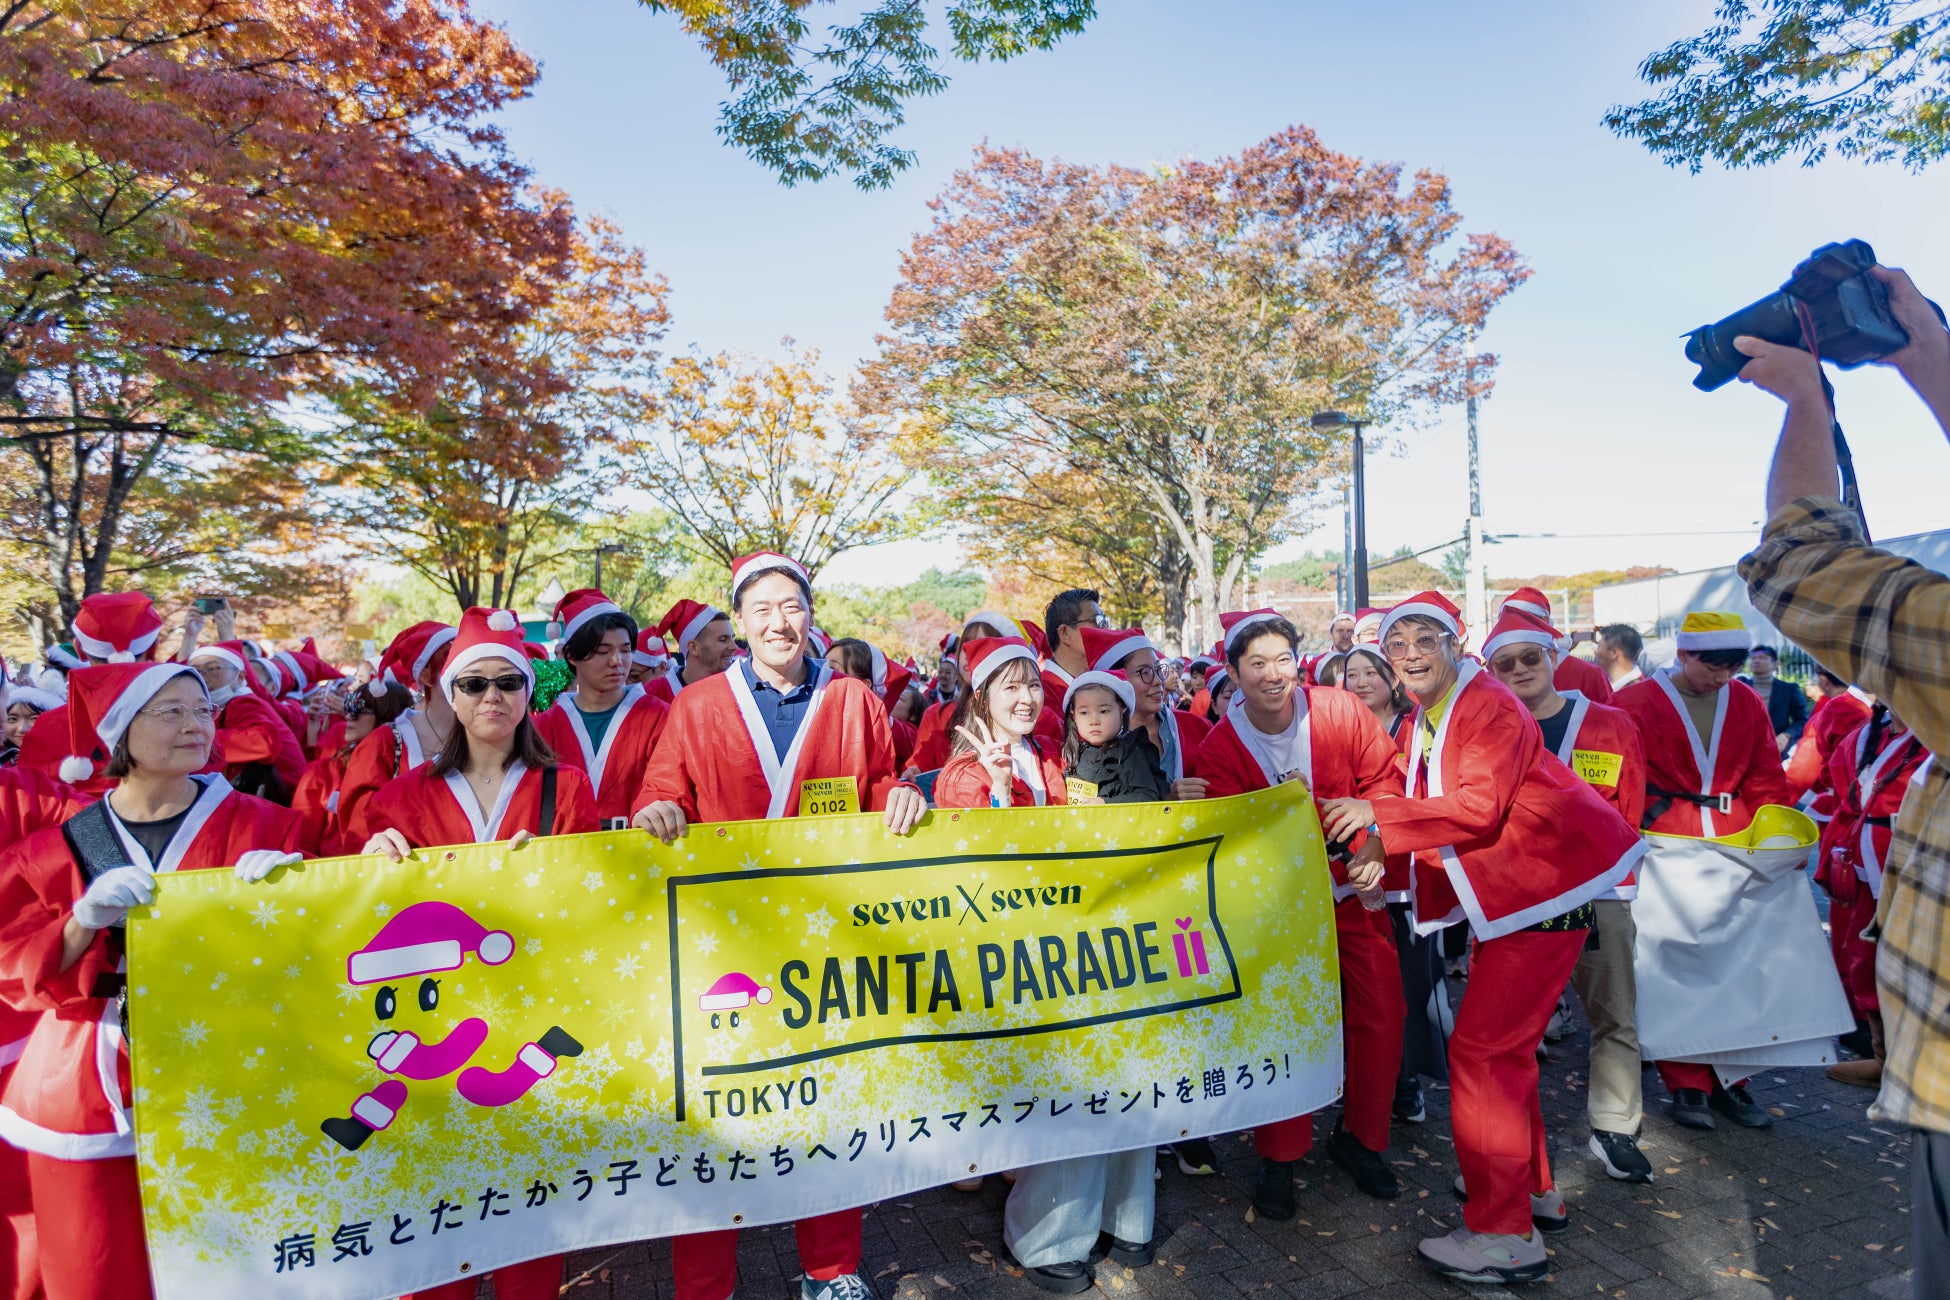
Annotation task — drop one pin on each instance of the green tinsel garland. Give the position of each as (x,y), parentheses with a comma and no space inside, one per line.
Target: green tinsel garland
(552,677)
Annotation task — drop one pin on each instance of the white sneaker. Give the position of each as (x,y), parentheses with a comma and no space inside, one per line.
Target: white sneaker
(1547,1212)
(1486,1256)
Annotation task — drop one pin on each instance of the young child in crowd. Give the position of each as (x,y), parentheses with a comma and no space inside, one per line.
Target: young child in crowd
(1104,760)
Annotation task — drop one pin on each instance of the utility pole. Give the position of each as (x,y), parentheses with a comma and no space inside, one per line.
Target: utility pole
(1475,599)
(1344,580)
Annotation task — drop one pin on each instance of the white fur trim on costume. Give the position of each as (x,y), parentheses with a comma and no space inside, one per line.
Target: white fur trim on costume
(75,769)
(695,628)
(1530,607)
(1436,612)
(114,724)
(428,651)
(1496,643)
(1251,620)
(1117,686)
(486,650)
(230,657)
(110,651)
(764,562)
(597,610)
(1123,650)
(986,669)
(1726,638)
(502,620)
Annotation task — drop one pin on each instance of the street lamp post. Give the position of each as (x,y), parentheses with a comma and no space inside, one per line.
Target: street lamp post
(607,548)
(1328,420)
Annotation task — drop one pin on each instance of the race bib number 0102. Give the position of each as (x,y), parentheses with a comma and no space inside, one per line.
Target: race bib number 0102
(1597,767)
(827,796)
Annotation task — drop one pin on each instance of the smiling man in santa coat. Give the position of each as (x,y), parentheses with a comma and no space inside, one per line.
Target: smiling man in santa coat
(1506,837)
(257,742)
(1600,744)
(64,892)
(1571,673)
(605,727)
(1282,730)
(1710,763)
(741,745)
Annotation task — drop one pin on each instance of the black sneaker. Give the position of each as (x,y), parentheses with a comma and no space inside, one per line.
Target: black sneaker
(1740,1107)
(1621,1156)
(1196,1158)
(1131,1254)
(1689,1109)
(1064,1279)
(1273,1194)
(1409,1106)
(1857,1041)
(1370,1172)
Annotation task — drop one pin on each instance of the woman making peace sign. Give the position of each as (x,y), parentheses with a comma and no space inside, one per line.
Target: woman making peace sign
(997,761)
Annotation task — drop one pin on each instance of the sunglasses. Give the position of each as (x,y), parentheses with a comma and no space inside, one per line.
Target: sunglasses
(507,684)
(1508,663)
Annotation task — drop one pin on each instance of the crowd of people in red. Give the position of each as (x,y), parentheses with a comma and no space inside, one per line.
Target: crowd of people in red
(1489,799)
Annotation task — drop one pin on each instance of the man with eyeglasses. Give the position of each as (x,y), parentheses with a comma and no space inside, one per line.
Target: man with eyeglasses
(1505,837)
(261,756)
(1069,612)
(1601,745)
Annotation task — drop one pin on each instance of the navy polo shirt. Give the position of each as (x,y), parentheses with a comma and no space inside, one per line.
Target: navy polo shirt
(782,714)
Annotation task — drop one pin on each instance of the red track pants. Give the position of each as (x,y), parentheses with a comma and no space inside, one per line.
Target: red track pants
(705,1264)
(1372,1016)
(20,1267)
(535,1279)
(89,1214)
(1494,1109)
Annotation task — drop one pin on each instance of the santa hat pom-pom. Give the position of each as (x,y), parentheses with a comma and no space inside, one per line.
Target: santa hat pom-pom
(553,631)
(121,657)
(76,768)
(502,620)
(376,688)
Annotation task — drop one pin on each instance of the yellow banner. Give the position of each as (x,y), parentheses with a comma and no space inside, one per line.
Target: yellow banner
(362,1078)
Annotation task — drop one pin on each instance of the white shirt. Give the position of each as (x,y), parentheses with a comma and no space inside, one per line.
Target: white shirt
(1026,764)
(1285,753)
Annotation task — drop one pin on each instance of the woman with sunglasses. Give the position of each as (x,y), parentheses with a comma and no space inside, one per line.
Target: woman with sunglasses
(495,779)
(367,708)
(64,894)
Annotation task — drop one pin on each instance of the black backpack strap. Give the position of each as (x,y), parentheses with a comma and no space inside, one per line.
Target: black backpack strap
(547,822)
(399,746)
(92,839)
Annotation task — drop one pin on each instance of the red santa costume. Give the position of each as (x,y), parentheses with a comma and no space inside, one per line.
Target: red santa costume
(1834,718)
(683,623)
(66,1102)
(1507,837)
(1870,772)
(614,765)
(652,656)
(391,751)
(116,627)
(1573,673)
(889,681)
(718,762)
(932,741)
(1337,747)
(1179,733)
(1037,779)
(254,735)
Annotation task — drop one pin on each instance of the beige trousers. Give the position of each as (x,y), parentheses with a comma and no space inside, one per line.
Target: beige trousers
(1605,984)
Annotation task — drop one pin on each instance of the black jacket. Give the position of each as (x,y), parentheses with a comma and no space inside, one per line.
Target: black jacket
(1787,707)
(1127,770)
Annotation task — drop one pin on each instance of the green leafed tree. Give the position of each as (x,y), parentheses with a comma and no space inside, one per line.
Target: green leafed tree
(807,107)
(1775,79)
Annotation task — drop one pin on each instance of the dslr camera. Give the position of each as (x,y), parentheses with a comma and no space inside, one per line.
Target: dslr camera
(1830,298)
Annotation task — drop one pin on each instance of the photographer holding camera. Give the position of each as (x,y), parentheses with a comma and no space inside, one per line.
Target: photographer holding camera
(1884,623)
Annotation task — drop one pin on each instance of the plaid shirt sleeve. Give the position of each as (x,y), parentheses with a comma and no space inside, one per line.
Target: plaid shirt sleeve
(1883,622)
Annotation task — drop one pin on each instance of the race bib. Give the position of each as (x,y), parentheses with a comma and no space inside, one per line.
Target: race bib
(1076,789)
(828,795)
(1597,767)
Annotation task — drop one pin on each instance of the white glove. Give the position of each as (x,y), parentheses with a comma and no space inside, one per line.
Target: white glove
(112,894)
(259,863)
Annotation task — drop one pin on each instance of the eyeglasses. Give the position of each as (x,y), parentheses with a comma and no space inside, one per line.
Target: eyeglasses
(175,715)
(1150,676)
(506,683)
(355,704)
(1508,663)
(1423,646)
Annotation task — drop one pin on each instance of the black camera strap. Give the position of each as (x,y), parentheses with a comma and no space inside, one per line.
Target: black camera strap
(1844,459)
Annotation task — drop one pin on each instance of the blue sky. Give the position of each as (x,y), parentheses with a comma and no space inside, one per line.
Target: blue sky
(1594,428)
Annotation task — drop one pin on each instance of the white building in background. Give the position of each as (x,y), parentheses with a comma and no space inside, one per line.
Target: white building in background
(1656,605)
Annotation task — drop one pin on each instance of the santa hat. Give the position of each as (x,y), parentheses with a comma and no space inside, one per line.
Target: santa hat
(898,676)
(1218,677)
(650,652)
(1117,683)
(486,634)
(1038,639)
(1236,624)
(61,657)
(1201,660)
(819,641)
(33,697)
(1516,625)
(949,641)
(1105,648)
(985,654)
(317,665)
(1429,604)
(1531,601)
(297,678)
(406,657)
(1367,626)
(119,626)
(1322,664)
(686,620)
(1714,629)
(1340,614)
(749,568)
(103,702)
(424,939)
(229,652)
(1002,623)
(575,610)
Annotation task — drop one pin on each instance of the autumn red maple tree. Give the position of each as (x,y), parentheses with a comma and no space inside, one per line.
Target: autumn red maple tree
(239,202)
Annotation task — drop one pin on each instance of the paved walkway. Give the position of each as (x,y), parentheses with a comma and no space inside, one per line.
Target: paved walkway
(1815,1207)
